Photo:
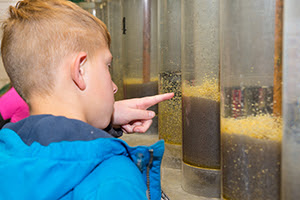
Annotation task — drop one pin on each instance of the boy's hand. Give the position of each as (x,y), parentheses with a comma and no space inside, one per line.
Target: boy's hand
(132,114)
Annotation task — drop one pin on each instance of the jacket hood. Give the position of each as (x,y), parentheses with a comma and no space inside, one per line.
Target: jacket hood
(32,170)
(46,129)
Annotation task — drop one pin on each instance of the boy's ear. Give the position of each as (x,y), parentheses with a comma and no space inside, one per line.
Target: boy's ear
(77,70)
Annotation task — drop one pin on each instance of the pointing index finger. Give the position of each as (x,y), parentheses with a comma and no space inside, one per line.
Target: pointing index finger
(147,102)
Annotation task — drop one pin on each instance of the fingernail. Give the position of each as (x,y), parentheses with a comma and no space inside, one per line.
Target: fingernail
(151,114)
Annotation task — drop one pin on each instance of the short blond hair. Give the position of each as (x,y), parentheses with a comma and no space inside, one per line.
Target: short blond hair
(37,37)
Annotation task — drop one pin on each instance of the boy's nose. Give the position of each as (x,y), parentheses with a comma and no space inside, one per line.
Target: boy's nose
(115,88)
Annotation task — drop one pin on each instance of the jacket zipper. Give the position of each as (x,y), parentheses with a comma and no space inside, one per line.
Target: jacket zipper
(148,173)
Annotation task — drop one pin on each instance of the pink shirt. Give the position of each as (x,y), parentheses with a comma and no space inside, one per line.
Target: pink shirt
(13,107)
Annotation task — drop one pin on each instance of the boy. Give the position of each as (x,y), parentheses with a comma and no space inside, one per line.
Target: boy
(57,57)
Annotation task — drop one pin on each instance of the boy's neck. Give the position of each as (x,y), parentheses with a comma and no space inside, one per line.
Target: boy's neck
(57,107)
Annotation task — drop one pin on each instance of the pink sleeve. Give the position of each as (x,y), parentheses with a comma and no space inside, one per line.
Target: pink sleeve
(13,107)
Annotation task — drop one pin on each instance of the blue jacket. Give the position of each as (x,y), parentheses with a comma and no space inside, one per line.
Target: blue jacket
(103,168)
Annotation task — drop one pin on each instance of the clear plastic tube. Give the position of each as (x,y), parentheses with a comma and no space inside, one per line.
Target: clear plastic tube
(200,97)
(250,131)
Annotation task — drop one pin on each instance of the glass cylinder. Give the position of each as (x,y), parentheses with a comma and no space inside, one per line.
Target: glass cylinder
(139,51)
(114,25)
(291,101)
(250,130)
(170,112)
(96,8)
(200,97)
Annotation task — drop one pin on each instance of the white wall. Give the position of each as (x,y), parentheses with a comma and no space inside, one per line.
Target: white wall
(3,12)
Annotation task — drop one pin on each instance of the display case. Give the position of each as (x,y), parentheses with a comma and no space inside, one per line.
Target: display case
(200,97)
(251,130)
